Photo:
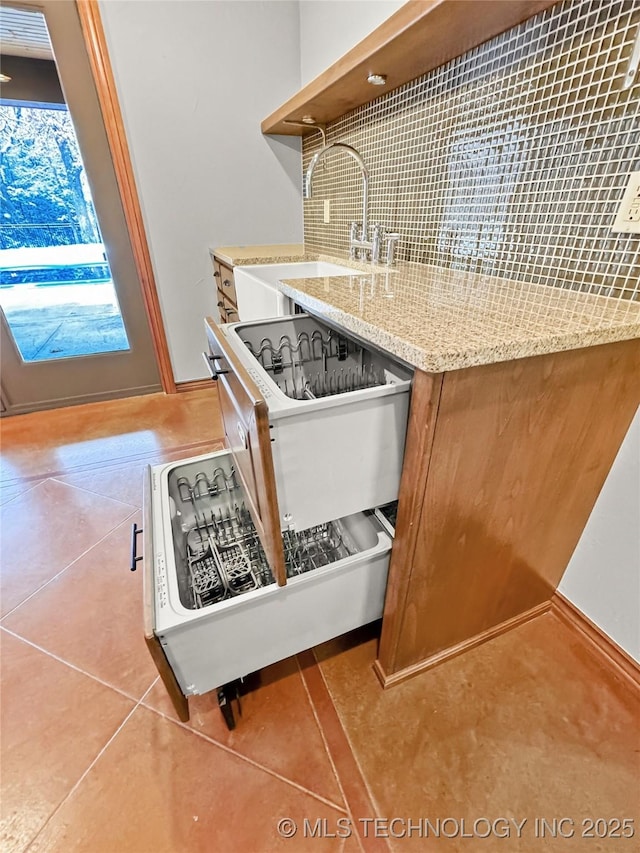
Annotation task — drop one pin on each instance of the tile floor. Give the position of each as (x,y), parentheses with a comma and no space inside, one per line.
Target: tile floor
(94,758)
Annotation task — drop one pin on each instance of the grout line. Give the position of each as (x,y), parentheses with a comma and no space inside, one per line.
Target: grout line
(246,759)
(21,494)
(374,802)
(362,778)
(91,766)
(333,765)
(91,492)
(105,465)
(74,667)
(72,563)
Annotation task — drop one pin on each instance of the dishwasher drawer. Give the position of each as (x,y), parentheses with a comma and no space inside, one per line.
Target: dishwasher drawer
(214,610)
(315,421)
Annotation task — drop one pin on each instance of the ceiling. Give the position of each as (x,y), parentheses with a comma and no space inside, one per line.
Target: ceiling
(23,32)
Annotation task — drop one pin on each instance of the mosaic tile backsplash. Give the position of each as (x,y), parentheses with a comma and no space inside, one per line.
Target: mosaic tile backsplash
(510,160)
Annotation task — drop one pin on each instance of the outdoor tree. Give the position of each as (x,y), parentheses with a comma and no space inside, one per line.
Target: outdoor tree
(44,196)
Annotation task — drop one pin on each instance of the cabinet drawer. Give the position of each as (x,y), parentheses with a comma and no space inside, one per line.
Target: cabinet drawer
(305,461)
(225,281)
(228,311)
(216,610)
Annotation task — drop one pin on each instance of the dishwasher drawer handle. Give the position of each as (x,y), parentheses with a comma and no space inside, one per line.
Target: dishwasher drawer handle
(210,361)
(134,546)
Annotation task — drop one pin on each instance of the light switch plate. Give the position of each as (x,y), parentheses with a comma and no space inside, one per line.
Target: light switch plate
(327,211)
(628,219)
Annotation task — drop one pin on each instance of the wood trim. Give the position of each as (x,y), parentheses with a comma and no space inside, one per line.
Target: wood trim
(193,385)
(420,36)
(245,415)
(426,390)
(619,662)
(97,52)
(389,680)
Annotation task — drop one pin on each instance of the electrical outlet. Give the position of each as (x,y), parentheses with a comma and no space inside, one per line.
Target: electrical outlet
(628,218)
(327,211)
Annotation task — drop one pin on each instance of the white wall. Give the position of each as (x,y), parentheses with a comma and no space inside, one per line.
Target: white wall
(329,28)
(603,576)
(194,81)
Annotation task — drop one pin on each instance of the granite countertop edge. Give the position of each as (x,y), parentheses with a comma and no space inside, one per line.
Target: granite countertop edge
(501,345)
(440,360)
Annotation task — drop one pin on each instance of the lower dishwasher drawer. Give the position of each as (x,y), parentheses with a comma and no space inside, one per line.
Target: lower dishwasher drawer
(212,601)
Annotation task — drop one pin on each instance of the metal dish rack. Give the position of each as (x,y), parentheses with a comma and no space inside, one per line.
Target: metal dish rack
(224,557)
(320,363)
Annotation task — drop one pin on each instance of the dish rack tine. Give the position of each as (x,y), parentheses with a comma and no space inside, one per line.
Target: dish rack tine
(201,486)
(184,489)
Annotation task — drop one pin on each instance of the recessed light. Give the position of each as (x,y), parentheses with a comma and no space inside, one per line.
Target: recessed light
(4,78)
(377,79)
(308,120)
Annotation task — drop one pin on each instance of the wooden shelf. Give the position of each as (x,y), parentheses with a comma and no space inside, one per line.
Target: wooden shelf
(420,36)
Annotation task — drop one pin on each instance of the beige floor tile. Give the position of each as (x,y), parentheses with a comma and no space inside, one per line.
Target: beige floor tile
(527,725)
(124,481)
(277,728)
(55,721)
(84,437)
(45,530)
(91,615)
(159,788)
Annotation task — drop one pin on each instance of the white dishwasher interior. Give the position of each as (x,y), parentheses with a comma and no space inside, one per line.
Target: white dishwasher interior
(216,608)
(337,415)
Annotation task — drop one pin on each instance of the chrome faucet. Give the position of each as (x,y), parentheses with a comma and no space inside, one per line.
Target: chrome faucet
(359,235)
(359,243)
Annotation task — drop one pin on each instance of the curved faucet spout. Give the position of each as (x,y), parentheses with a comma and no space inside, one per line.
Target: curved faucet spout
(348,149)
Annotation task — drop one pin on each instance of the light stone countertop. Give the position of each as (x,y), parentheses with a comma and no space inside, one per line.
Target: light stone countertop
(438,319)
(280,253)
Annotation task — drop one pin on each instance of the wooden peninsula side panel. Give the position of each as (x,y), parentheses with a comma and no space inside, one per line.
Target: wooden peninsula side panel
(504,463)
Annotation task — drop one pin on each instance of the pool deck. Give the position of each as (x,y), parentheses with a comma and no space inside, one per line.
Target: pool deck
(63,321)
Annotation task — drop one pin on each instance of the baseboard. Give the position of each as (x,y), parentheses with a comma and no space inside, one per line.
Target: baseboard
(7,409)
(453,651)
(193,385)
(600,644)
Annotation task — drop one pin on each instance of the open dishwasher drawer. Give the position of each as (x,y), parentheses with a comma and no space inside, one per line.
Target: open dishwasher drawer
(214,612)
(315,421)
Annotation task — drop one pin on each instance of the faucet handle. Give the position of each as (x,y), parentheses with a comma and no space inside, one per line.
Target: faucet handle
(376,242)
(392,242)
(353,239)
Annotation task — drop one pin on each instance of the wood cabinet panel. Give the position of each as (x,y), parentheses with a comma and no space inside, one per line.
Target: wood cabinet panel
(519,453)
(246,425)
(227,309)
(425,398)
(226,299)
(420,36)
(227,284)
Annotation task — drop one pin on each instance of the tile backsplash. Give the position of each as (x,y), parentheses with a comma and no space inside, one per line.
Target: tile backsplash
(510,160)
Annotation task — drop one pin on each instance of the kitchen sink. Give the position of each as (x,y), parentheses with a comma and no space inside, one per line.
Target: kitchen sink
(257,291)
(272,273)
